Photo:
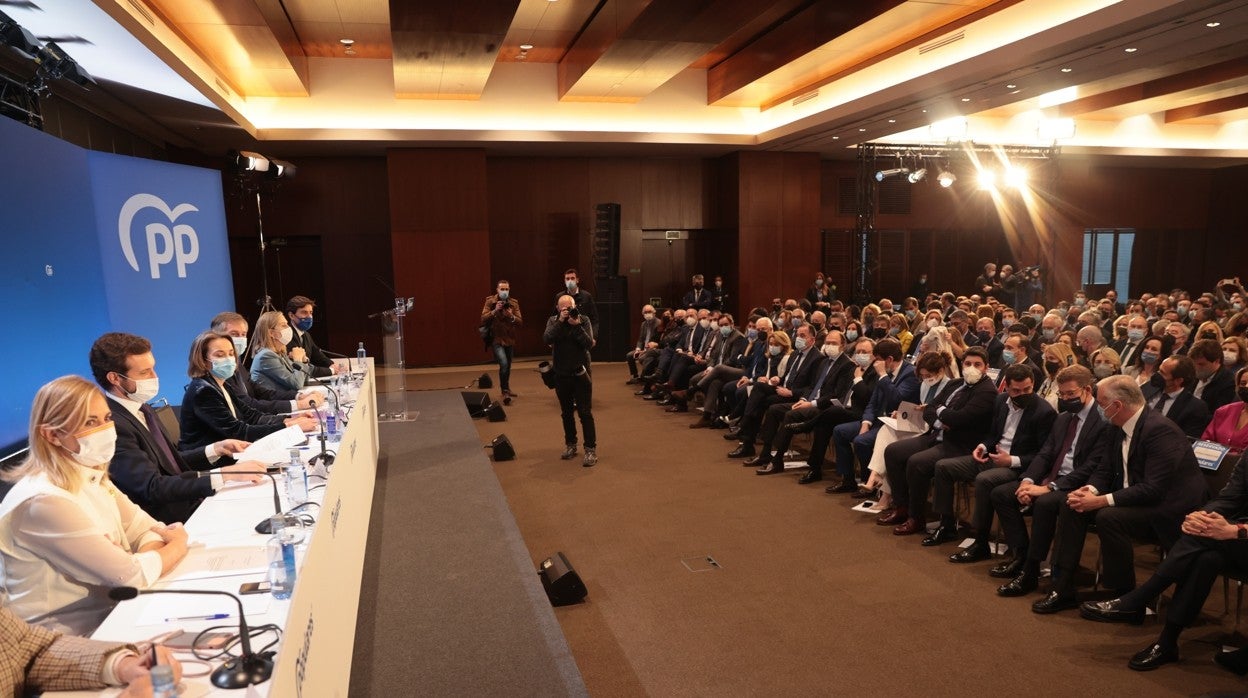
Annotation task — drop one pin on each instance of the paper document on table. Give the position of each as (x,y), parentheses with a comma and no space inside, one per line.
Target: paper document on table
(203,563)
(274,448)
(163,609)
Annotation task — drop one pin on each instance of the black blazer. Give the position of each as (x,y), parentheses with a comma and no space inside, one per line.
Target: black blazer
(1089,449)
(1189,412)
(859,393)
(1033,426)
(263,398)
(316,357)
(800,381)
(968,414)
(1164,475)
(1220,391)
(139,469)
(1232,501)
(206,417)
(836,383)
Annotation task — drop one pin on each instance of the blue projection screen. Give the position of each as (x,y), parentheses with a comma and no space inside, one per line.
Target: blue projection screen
(96,242)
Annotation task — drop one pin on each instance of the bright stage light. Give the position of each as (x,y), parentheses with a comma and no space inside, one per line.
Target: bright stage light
(1015,177)
(987,180)
(917,176)
(946,178)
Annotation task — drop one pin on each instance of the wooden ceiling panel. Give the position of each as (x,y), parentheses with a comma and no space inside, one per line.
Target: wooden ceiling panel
(463,39)
(238,47)
(1159,87)
(1209,108)
(321,39)
(549,45)
(344,11)
(774,13)
(630,48)
(209,11)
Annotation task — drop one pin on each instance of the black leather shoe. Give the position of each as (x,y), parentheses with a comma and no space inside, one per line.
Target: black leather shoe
(650,397)
(678,406)
(810,477)
(800,427)
(1236,661)
(843,488)
(701,424)
(742,451)
(1153,656)
(972,553)
(769,469)
(760,459)
(1021,585)
(1111,611)
(665,401)
(1009,569)
(942,534)
(642,392)
(1054,602)
(731,435)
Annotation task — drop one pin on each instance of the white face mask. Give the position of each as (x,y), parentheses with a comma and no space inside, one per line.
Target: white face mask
(240,345)
(832,351)
(972,375)
(96,448)
(1230,357)
(705,323)
(930,382)
(286,335)
(144,390)
(690,321)
(932,323)
(648,316)
(863,360)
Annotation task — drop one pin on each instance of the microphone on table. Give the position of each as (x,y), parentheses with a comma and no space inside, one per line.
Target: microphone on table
(237,672)
(325,457)
(336,355)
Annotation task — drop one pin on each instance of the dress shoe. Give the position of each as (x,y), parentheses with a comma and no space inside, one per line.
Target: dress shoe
(972,553)
(742,451)
(678,406)
(943,534)
(1111,611)
(731,435)
(665,401)
(1236,661)
(649,397)
(809,477)
(1153,656)
(679,394)
(862,494)
(760,459)
(1009,569)
(845,487)
(701,424)
(908,528)
(632,381)
(1021,585)
(893,517)
(642,392)
(1054,602)
(769,469)
(800,427)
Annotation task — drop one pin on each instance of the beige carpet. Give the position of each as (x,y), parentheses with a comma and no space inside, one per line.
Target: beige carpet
(809,598)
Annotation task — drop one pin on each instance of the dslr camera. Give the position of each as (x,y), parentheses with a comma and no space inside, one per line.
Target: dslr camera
(574,312)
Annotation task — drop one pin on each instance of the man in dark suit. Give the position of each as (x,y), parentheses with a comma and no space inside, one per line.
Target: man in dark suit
(299,315)
(647,342)
(960,418)
(147,465)
(1020,423)
(803,366)
(1016,351)
(897,381)
(1214,384)
(726,344)
(1146,482)
(1137,332)
(1065,462)
(698,297)
(847,407)
(263,398)
(1214,539)
(832,380)
(1175,399)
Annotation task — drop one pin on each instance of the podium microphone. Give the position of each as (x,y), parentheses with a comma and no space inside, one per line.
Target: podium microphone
(236,672)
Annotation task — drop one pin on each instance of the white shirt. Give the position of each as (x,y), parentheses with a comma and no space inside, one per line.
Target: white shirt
(63,550)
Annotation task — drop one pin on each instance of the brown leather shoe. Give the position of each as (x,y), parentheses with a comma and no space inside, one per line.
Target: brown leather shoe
(909,528)
(892,517)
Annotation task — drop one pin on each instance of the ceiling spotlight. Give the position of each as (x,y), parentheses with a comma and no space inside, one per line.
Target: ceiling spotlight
(987,180)
(917,176)
(1010,86)
(350,46)
(1131,50)
(55,63)
(526,47)
(1213,25)
(247,161)
(885,174)
(862,130)
(1015,177)
(346,42)
(946,178)
(892,121)
(1065,70)
(966,99)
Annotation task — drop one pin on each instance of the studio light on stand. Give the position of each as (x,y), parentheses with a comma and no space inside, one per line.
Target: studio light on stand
(251,171)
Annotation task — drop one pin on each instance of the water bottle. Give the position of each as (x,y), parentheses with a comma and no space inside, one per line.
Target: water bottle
(331,426)
(163,683)
(296,479)
(281,566)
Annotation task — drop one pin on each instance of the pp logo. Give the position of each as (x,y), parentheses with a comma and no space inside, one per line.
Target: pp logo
(164,245)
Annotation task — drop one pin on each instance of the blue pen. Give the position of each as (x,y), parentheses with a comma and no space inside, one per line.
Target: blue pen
(214,616)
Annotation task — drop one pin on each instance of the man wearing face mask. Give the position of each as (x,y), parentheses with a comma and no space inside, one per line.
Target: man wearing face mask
(719,295)
(501,313)
(569,336)
(1214,384)
(1137,332)
(1014,353)
(725,352)
(1174,399)
(584,302)
(1020,423)
(1147,481)
(647,343)
(803,366)
(695,342)
(299,315)
(673,335)
(268,399)
(960,417)
(897,381)
(146,464)
(833,381)
(698,297)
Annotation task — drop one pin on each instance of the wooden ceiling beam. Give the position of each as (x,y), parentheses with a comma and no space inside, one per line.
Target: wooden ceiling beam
(1160,87)
(1213,106)
(447,50)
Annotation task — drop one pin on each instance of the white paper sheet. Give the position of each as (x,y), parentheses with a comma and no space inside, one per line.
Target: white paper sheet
(203,563)
(274,448)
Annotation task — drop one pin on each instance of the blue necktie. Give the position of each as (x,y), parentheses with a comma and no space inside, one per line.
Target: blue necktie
(814,394)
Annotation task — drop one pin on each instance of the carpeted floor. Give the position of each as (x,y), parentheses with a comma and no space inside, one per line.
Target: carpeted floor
(808,598)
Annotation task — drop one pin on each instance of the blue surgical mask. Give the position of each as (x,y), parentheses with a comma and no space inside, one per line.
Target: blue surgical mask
(1049,333)
(911,314)
(725,330)
(797,322)
(1037,317)
(1148,357)
(504,295)
(751,334)
(304,324)
(240,345)
(851,335)
(1008,356)
(1135,335)
(224,368)
(800,344)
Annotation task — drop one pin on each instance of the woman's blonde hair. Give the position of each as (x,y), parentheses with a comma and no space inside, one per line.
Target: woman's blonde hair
(1210,326)
(782,339)
(1062,353)
(260,336)
(1109,355)
(61,405)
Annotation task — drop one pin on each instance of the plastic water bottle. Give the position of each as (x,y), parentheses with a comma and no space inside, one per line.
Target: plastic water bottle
(163,683)
(296,479)
(281,566)
(331,426)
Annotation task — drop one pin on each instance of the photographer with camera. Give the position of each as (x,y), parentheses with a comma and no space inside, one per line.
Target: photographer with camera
(570,336)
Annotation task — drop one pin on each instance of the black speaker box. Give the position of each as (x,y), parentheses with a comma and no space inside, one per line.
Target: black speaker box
(503,450)
(495,413)
(477,403)
(562,584)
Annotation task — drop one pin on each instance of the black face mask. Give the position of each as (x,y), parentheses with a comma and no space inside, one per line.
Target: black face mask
(1208,335)
(1022,402)
(1052,366)
(1242,393)
(1071,406)
(984,336)
(698,286)
(776,307)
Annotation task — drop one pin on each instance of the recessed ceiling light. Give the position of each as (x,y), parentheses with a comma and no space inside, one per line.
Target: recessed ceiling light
(1065,70)
(924,111)
(346,42)
(966,99)
(1131,50)
(1014,92)
(1212,25)
(836,138)
(862,130)
(526,47)
(1010,87)
(892,121)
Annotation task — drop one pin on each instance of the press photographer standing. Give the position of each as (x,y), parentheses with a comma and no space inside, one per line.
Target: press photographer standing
(570,336)
(501,317)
